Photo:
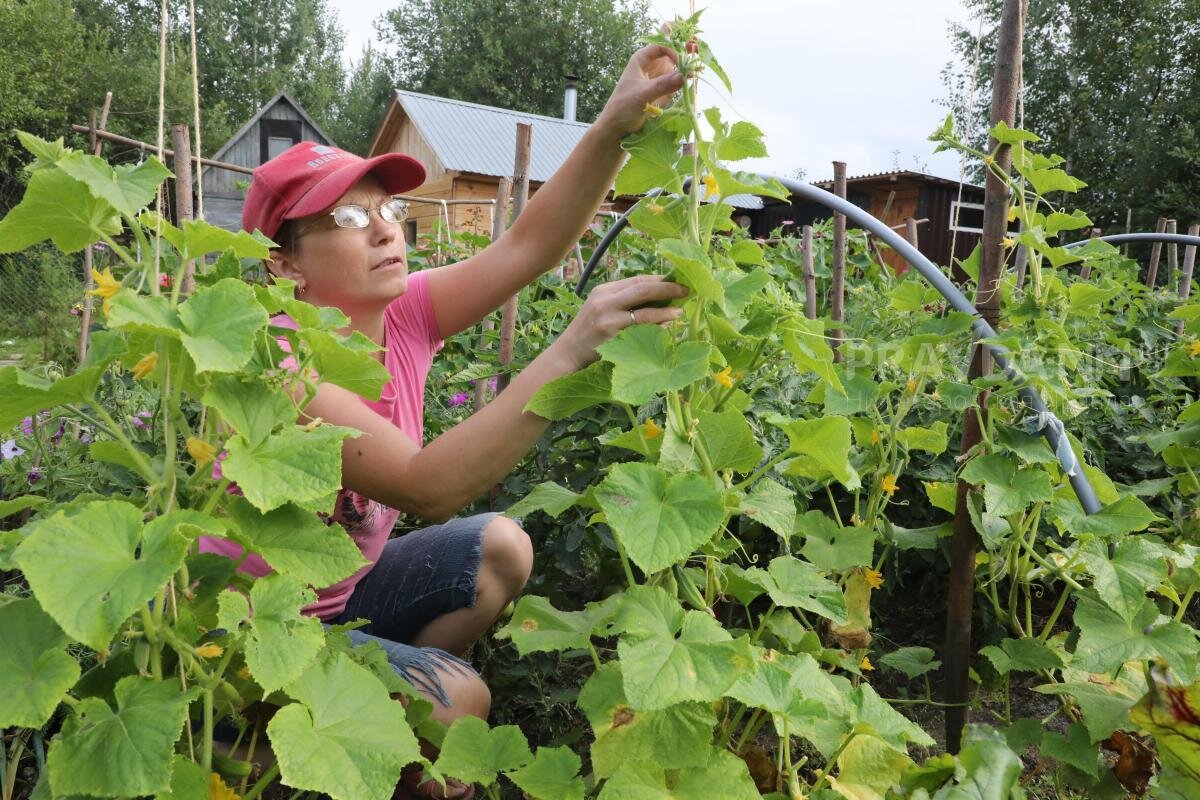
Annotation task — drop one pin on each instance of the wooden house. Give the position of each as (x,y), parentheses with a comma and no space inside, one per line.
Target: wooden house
(466,148)
(278,125)
(948,213)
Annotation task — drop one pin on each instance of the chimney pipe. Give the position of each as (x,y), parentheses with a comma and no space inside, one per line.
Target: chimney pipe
(569,96)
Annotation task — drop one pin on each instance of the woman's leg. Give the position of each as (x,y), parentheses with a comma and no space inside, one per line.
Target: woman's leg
(504,567)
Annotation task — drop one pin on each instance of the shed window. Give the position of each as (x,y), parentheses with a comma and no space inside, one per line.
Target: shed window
(966,217)
(277,144)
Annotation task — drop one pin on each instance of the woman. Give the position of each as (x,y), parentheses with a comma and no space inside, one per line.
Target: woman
(430,594)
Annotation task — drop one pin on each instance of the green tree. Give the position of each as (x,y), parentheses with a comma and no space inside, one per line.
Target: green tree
(369,89)
(513,53)
(1112,87)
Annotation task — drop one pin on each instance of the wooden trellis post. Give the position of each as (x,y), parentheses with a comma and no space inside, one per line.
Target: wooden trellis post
(85,318)
(1085,272)
(508,317)
(987,301)
(182,162)
(1172,254)
(1155,254)
(810,275)
(837,308)
(499,223)
(1185,277)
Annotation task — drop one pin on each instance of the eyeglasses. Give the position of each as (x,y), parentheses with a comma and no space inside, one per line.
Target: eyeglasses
(352,215)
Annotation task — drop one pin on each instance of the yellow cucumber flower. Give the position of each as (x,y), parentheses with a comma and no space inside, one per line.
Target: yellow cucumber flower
(217,790)
(652,110)
(874,578)
(723,377)
(107,287)
(200,450)
(865,665)
(889,484)
(654,208)
(210,650)
(711,185)
(1194,349)
(911,386)
(651,430)
(145,365)
(875,438)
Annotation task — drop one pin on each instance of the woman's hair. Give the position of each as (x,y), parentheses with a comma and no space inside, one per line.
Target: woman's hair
(286,235)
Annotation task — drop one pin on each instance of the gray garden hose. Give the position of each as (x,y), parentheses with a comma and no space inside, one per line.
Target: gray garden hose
(1122,238)
(1045,421)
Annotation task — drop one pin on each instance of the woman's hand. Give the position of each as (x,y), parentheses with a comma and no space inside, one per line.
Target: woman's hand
(613,307)
(649,77)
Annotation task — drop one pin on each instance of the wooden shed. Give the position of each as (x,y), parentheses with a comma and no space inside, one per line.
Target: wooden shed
(278,125)
(466,148)
(949,213)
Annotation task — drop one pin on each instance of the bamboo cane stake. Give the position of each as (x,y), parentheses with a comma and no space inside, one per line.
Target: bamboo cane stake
(1185,277)
(961,595)
(1155,254)
(810,276)
(1172,254)
(85,317)
(182,163)
(508,317)
(837,307)
(499,223)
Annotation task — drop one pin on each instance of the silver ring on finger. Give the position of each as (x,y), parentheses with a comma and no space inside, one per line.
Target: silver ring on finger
(632,317)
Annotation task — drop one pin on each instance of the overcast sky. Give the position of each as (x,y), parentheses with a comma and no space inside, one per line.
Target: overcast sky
(855,80)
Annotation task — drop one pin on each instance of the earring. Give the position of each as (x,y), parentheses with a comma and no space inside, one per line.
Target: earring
(301,289)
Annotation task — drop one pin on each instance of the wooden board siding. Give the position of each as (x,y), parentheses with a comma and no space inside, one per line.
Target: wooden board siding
(935,235)
(405,138)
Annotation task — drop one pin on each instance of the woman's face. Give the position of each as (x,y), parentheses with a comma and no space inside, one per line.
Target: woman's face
(355,269)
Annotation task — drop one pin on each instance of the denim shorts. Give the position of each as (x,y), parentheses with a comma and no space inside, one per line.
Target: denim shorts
(419,577)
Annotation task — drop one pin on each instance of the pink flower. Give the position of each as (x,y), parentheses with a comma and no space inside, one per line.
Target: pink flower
(139,420)
(788,222)
(74,312)
(459,399)
(164,281)
(216,470)
(27,426)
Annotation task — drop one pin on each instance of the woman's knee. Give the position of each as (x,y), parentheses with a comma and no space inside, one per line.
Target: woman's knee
(467,693)
(507,554)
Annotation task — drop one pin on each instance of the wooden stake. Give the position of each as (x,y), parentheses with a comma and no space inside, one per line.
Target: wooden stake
(837,308)
(1155,254)
(810,276)
(1128,228)
(910,231)
(508,317)
(1185,277)
(499,223)
(182,162)
(208,162)
(1172,254)
(85,318)
(961,594)
(1085,273)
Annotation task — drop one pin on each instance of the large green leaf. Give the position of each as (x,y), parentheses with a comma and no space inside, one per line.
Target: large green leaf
(296,542)
(475,753)
(126,753)
(834,548)
(1107,640)
(562,397)
(646,361)
(251,407)
(660,218)
(1121,580)
(1021,655)
(107,578)
(349,362)
(724,777)
(35,669)
(537,626)
(220,323)
(1172,716)
(807,346)
(200,238)
(548,497)
(1006,489)
(552,775)
(660,519)
(693,269)
(674,737)
(786,684)
(295,465)
(281,642)
(772,505)
(912,661)
(728,439)
(1105,704)
(868,767)
(826,441)
(346,737)
(654,151)
(697,665)
(59,208)
(146,313)
(23,394)
(1127,515)
(128,187)
(792,583)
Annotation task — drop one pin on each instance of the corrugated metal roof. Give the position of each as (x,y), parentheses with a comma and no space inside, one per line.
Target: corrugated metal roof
(469,137)
(896,175)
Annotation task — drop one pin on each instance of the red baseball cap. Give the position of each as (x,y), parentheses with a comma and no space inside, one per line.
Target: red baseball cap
(310,177)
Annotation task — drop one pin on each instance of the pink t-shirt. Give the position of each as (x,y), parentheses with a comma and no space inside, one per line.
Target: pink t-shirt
(410,335)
